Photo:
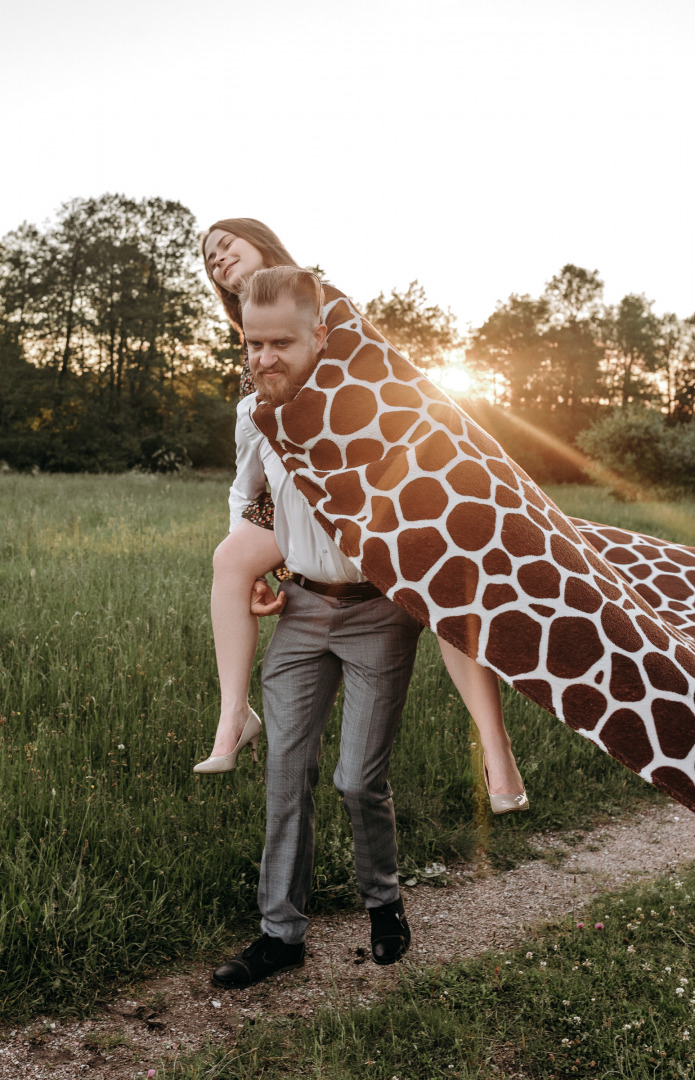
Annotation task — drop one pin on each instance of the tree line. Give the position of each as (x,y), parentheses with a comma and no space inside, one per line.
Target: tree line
(114,353)
(569,351)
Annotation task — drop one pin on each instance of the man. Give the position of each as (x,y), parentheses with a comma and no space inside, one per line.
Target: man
(335,625)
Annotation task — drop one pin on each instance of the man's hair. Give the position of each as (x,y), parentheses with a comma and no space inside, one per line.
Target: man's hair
(264,239)
(265,287)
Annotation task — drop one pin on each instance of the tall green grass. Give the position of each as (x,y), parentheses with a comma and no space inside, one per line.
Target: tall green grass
(114,857)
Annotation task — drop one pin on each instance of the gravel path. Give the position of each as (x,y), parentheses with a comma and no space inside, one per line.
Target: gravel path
(177,1014)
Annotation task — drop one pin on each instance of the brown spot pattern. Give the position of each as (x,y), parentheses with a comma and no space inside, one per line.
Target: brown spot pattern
(471,525)
(384,517)
(353,408)
(418,551)
(422,499)
(455,584)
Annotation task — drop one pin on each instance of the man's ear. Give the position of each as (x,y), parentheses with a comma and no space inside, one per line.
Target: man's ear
(320,334)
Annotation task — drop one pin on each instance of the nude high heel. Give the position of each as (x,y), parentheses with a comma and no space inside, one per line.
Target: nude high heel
(226,762)
(505,803)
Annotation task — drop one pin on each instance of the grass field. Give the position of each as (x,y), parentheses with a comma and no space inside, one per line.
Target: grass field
(610,997)
(114,858)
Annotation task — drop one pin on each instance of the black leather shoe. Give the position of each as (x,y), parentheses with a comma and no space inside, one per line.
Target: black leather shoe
(263,958)
(390,932)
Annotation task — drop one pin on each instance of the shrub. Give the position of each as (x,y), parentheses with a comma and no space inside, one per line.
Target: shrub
(638,445)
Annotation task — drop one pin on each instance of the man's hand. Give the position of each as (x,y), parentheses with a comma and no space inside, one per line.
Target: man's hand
(263,599)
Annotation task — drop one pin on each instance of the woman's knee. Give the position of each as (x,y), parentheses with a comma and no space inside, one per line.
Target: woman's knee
(235,556)
(247,552)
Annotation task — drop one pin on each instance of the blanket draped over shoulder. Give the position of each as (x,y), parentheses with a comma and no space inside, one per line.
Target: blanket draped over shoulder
(592,623)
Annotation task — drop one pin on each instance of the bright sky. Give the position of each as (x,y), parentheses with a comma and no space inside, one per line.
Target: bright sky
(477,145)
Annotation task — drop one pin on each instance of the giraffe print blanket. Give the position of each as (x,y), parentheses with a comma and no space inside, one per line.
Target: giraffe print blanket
(590,622)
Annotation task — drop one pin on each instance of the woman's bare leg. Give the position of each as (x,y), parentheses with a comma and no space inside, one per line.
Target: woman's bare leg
(247,553)
(480,689)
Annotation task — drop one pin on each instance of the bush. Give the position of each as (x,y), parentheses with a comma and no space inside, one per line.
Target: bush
(638,445)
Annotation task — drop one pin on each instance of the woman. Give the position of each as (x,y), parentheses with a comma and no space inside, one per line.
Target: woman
(235,248)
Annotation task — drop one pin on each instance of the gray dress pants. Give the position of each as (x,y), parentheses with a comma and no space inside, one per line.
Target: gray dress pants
(317,642)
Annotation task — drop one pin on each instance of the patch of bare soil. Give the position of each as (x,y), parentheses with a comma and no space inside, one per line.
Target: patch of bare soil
(177,1014)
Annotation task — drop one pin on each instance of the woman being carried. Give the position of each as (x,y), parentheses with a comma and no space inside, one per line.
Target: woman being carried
(235,248)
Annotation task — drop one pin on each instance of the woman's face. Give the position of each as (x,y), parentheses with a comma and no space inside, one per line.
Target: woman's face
(229,258)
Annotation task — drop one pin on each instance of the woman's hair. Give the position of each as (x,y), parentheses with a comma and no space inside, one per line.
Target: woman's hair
(266,286)
(263,239)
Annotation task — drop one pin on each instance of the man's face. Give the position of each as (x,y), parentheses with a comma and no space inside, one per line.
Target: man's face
(284,343)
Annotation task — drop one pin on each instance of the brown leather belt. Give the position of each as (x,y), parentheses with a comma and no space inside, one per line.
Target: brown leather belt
(355,592)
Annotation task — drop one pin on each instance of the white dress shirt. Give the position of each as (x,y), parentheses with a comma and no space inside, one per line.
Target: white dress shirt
(306,548)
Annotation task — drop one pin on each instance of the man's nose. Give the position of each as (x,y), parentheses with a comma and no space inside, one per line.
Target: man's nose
(267,358)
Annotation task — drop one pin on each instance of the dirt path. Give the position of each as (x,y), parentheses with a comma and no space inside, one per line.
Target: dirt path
(176,1014)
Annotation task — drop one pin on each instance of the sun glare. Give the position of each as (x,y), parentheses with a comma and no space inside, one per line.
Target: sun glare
(453,378)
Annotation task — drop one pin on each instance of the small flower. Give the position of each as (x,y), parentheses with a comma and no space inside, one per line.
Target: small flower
(150,1074)
(121,746)
(631,948)
(565,1002)
(680,990)
(599,926)
(543,963)
(667,970)
(627,1027)
(580,926)
(683,981)
(577,1019)
(652,912)
(565,1042)
(529,956)
(686,1035)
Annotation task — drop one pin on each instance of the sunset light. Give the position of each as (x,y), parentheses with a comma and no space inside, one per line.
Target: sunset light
(455,378)
(452,377)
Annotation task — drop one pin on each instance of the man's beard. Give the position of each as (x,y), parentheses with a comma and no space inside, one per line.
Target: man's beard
(276,395)
(286,389)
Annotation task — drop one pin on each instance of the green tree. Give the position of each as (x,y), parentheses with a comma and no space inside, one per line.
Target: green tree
(423,332)
(512,344)
(676,351)
(631,334)
(574,303)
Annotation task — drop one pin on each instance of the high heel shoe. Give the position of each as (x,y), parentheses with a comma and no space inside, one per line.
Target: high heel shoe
(226,762)
(505,803)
